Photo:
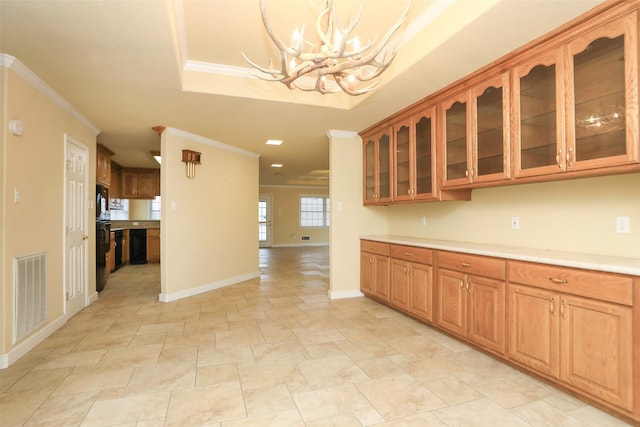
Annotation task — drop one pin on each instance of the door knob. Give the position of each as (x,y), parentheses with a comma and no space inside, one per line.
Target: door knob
(85,237)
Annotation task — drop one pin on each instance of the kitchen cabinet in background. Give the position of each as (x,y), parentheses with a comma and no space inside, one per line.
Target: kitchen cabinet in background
(153,245)
(412,281)
(103,165)
(374,269)
(140,183)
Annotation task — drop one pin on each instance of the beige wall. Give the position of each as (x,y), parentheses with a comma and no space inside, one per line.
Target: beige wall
(34,163)
(574,215)
(208,228)
(286,216)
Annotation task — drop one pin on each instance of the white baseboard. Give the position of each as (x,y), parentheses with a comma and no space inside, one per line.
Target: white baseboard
(344,294)
(93,298)
(29,343)
(206,288)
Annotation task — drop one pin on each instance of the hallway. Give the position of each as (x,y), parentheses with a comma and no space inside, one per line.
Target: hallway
(274,351)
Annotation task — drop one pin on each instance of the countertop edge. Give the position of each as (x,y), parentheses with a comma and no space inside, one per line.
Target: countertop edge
(604,263)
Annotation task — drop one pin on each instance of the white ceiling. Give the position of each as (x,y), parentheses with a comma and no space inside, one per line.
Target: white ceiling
(129,65)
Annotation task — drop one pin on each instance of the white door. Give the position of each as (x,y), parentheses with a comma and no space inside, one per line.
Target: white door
(76,245)
(265,225)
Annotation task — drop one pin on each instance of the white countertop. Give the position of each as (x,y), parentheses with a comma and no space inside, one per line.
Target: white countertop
(606,263)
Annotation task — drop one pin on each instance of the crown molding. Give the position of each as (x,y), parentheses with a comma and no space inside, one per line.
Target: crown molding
(341,134)
(30,77)
(211,142)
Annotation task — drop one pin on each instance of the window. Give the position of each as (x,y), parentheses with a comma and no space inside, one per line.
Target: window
(119,209)
(154,208)
(262,221)
(314,211)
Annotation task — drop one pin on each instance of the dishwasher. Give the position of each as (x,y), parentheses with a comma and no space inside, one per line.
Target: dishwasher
(138,246)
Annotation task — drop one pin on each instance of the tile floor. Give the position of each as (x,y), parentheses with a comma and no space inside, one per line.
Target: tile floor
(273,351)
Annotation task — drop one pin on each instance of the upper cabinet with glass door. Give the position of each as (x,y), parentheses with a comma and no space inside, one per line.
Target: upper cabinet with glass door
(538,114)
(377,167)
(415,157)
(475,134)
(602,97)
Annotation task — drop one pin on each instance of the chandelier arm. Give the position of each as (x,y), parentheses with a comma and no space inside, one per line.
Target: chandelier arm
(349,90)
(276,40)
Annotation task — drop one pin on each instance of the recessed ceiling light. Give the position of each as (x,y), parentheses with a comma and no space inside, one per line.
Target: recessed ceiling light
(276,165)
(273,142)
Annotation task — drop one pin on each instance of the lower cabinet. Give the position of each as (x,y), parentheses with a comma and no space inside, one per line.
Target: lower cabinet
(470,304)
(585,343)
(153,245)
(374,269)
(412,281)
(575,327)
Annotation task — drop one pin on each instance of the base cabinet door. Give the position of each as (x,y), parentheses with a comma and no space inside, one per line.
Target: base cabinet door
(452,301)
(596,347)
(400,279)
(421,292)
(486,311)
(534,328)
(374,275)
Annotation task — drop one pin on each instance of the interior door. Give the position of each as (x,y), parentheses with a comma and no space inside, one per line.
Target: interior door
(76,226)
(265,224)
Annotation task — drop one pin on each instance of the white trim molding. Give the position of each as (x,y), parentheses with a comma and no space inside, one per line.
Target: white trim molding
(212,142)
(344,294)
(30,342)
(341,134)
(30,77)
(174,296)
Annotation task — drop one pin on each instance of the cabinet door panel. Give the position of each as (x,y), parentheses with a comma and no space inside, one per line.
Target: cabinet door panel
(400,272)
(367,273)
(421,292)
(602,96)
(403,163)
(369,169)
(382,276)
(456,141)
(384,167)
(596,345)
(425,153)
(486,324)
(534,328)
(452,301)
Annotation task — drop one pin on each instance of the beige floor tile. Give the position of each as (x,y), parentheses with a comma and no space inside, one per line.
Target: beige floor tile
(16,408)
(512,390)
(290,418)
(329,372)
(265,376)
(342,420)
(596,418)
(418,420)
(279,353)
(238,338)
(399,397)
(540,413)
(70,360)
(204,405)
(131,356)
(94,379)
(58,408)
(479,413)
(268,400)
(216,374)
(45,379)
(330,402)
(209,355)
(162,377)
(129,409)
(323,350)
(453,391)
(380,367)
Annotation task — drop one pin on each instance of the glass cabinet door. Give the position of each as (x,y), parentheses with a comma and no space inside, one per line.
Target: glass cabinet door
(403,163)
(491,133)
(424,154)
(455,138)
(384,167)
(538,112)
(602,94)
(370,164)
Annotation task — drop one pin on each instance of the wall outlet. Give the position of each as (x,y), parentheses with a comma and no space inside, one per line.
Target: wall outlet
(423,220)
(515,223)
(623,225)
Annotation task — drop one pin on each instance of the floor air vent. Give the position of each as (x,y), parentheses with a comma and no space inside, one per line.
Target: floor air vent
(30,294)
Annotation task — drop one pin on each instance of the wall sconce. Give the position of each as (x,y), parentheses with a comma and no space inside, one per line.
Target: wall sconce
(191,158)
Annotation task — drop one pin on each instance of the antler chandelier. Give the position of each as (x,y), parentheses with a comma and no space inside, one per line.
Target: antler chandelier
(337,55)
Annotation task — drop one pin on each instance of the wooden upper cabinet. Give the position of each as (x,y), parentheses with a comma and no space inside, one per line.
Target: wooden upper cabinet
(538,114)
(456,140)
(377,167)
(103,165)
(140,183)
(475,139)
(415,157)
(602,96)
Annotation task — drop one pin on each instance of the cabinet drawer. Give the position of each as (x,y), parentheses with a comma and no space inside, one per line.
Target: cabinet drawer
(603,286)
(472,264)
(375,247)
(412,253)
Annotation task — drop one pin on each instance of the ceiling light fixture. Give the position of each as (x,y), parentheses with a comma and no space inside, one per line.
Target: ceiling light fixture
(336,55)
(273,142)
(276,165)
